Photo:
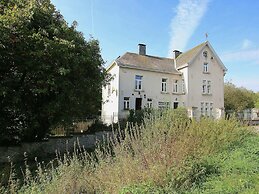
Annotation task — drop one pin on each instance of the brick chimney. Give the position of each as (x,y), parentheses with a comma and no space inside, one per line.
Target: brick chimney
(176,53)
(142,49)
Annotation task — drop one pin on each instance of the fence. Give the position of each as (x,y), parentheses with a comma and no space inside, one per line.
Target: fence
(247,114)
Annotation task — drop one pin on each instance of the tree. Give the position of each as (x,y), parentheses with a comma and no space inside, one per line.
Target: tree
(257,100)
(49,73)
(238,99)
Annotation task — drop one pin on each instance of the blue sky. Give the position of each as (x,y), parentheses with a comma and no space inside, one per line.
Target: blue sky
(165,25)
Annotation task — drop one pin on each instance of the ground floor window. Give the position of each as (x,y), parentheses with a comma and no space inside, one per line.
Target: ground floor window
(207,109)
(149,103)
(126,103)
(163,105)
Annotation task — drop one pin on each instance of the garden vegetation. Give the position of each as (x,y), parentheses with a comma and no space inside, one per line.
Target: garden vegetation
(167,153)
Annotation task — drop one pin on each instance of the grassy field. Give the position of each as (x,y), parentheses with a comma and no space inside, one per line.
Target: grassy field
(169,153)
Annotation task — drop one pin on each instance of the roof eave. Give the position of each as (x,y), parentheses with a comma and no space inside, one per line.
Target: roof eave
(111,65)
(151,70)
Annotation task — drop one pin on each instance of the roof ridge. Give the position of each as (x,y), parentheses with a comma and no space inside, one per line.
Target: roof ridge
(153,56)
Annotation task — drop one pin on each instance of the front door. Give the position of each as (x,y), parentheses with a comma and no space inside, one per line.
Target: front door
(176,105)
(138,104)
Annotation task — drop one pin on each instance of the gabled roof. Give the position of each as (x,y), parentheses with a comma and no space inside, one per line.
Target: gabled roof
(147,62)
(162,64)
(186,58)
(189,55)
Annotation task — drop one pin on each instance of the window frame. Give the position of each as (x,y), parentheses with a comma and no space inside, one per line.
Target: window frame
(164,85)
(202,109)
(183,86)
(206,87)
(176,86)
(149,103)
(205,67)
(138,82)
(126,103)
(109,89)
(163,105)
(206,108)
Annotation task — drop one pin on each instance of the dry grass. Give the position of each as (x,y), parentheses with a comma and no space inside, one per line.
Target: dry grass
(152,153)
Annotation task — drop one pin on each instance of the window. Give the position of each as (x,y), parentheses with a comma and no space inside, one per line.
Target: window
(109,89)
(164,82)
(163,105)
(207,109)
(175,86)
(149,103)
(126,103)
(183,86)
(211,109)
(205,54)
(202,108)
(138,82)
(205,68)
(209,87)
(206,87)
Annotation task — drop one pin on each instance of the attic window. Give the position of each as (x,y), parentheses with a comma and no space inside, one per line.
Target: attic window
(205,54)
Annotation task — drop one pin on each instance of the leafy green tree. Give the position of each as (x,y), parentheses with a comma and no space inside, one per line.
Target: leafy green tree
(238,99)
(257,100)
(49,73)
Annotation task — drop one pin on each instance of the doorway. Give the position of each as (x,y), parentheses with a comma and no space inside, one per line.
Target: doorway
(138,104)
(176,105)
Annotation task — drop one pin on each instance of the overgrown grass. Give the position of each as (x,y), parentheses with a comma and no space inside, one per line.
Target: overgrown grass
(168,153)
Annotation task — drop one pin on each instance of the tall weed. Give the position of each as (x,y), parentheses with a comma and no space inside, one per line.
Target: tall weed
(165,151)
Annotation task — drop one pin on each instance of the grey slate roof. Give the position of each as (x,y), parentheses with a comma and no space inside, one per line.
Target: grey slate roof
(162,64)
(147,62)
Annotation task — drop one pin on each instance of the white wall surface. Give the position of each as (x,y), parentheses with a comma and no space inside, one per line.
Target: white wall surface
(110,102)
(151,88)
(196,77)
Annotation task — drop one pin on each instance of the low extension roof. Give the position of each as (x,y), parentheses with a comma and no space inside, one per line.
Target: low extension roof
(147,62)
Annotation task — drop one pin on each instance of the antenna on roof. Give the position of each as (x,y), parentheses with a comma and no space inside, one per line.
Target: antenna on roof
(206,36)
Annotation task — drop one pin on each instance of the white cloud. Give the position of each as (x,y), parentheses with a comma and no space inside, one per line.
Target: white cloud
(251,55)
(188,16)
(247,44)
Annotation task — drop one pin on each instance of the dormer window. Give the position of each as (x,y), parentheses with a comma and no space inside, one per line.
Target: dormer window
(205,68)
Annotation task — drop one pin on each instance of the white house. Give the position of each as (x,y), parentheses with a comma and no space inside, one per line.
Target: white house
(194,79)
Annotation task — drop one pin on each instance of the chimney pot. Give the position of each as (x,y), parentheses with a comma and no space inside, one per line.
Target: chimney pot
(142,49)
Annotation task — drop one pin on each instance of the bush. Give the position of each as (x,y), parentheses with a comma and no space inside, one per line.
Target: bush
(98,125)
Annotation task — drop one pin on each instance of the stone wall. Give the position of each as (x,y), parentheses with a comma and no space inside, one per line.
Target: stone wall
(51,146)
